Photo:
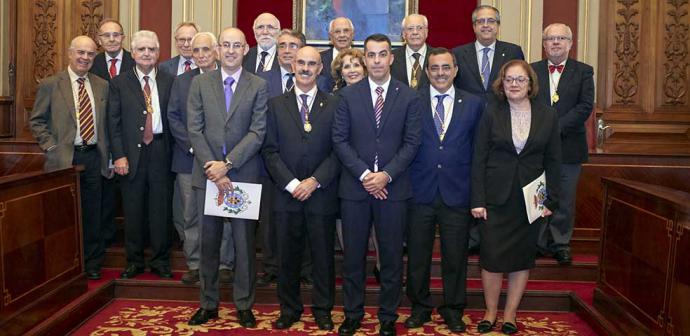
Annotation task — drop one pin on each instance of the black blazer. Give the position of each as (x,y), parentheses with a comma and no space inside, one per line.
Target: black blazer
(127,116)
(399,68)
(249,62)
(100,67)
(291,153)
(325,81)
(469,78)
(574,106)
(495,161)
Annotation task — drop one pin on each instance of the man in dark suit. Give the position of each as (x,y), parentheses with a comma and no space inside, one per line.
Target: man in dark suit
(409,62)
(480,61)
(478,65)
(440,174)
(227,123)
(108,64)
(140,145)
(376,133)
(262,57)
(299,156)
(69,121)
(184,61)
(280,80)
(568,86)
(340,32)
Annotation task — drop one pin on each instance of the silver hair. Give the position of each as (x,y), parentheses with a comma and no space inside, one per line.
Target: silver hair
(330,24)
(567,29)
(214,40)
(480,7)
(144,34)
(426,21)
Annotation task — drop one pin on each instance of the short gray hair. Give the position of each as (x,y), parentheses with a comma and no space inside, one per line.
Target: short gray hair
(214,40)
(567,29)
(426,21)
(144,34)
(480,7)
(330,24)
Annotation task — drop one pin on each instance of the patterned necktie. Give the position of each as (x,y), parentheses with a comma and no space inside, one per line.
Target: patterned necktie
(486,69)
(378,109)
(414,80)
(304,111)
(227,85)
(187,65)
(440,115)
(113,67)
(558,68)
(85,114)
(262,62)
(148,127)
(289,83)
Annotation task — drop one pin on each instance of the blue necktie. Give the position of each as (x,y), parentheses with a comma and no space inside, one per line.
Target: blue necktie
(440,114)
(486,69)
(228,92)
(305,107)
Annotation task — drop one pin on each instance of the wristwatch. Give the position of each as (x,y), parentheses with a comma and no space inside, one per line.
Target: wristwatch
(228,163)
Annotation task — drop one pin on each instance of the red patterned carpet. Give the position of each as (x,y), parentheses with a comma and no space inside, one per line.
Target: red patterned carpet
(141,317)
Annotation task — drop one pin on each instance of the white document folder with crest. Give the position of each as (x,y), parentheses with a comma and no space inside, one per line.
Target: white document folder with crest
(243,201)
(535,194)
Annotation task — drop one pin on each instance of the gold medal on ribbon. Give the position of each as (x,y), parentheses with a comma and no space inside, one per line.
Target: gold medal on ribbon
(555,97)
(307,126)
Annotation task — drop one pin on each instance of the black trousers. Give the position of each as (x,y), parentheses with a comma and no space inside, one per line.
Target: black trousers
(90,189)
(109,205)
(454,224)
(294,230)
(147,198)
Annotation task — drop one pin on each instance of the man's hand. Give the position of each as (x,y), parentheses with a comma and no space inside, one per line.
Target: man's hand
(381,194)
(215,170)
(223,184)
(121,166)
(375,182)
(546,212)
(304,189)
(479,213)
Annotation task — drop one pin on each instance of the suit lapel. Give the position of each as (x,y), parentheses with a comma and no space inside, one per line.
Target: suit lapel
(366,99)
(217,87)
(568,73)
(292,109)
(66,90)
(458,107)
(389,101)
(240,89)
(544,81)
(135,86)
(471,59)
(427,114)
(499,59)
(320,103)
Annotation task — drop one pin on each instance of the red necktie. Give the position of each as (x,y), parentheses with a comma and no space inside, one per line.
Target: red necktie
(187,65)
(553,68)
(113,68)
(148,128)
(85,114)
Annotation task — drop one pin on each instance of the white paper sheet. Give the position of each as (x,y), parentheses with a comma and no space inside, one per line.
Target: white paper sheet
(243,202)
(535,194)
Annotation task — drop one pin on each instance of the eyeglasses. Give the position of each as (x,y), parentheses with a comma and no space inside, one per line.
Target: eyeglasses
(110,35)
(236,45)
(267,27)
(486,21)
(342,31)
(414,28)
(521,80)
(291,46)
(557,38)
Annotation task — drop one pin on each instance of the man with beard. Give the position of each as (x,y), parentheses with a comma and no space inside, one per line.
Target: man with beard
(340,33)
(262,57)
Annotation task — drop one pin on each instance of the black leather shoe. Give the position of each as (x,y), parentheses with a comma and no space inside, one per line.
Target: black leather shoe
(563,257)
(266,279)
(324,322)
(191,277)
(93,275)
(417,320)
(387,328)
(163,272)
(285,321)
(485,326)
(131,271)
(509,328)
(246,318)
(377,275)
(202,316)
(455,324)
(349,327)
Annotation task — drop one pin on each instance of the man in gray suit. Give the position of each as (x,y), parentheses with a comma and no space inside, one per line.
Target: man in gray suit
(69,122)
(226,121)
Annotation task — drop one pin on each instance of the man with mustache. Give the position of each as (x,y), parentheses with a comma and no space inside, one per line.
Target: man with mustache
(441,176)
(410,60)
(340,33)
(299,156)
(262,57)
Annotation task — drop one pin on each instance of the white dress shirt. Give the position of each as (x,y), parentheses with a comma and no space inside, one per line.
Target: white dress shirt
(448,103)
(410,60)
(75,93)
(268,62)
(157,122)
(554,78)
(180,64)
(118,64)
(480,55)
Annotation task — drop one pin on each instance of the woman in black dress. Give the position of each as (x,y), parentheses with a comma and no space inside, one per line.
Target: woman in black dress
(516,141)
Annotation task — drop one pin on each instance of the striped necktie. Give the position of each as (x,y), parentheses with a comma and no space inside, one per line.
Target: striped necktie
(86,125)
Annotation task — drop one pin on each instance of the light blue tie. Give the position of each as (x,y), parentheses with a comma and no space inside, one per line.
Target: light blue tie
(486,69)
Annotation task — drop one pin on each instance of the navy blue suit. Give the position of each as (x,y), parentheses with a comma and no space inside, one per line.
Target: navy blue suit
(275,81)
(182,159)
(325,81)
(357,141)
(440,174)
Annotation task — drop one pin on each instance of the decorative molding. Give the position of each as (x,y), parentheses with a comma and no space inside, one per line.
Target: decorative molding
(45,28)
(91,15)
(627,36)
(676,53)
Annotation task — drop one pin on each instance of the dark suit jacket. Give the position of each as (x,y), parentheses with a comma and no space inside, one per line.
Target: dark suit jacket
(170,66)
(495,161)
(291,153)
(127,116)
(325,81)
(454,153)
(100,67)
(53,120)
(575,103)
(399,67)
(182,159)
(469,78)
(241,130)
(249,62)
(357,140)
(275,81)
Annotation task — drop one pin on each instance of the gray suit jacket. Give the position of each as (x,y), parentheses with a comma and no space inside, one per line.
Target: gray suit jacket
(170,66)
(240,131)
(53,120)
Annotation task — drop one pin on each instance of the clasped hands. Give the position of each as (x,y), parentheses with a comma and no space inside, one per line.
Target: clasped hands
(305,188)
(375,184)
(216,172)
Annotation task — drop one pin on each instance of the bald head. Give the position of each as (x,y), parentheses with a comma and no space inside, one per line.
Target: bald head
(266,29)
(232,48)
(82,51)
(307,66)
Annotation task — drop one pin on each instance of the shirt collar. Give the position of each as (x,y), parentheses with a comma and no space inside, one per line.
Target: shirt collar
(373,85)
(409,52)
(480,46)
(433,92)
(152,74)
(118,57)
(235,76)
(271,50)
(73,75)
(311,93)
(562,63)
(202,70)
(283,72)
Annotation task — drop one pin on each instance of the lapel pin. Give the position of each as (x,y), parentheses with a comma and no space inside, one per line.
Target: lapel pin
(396,88)
(503,55)
(459,100)
(320,104)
